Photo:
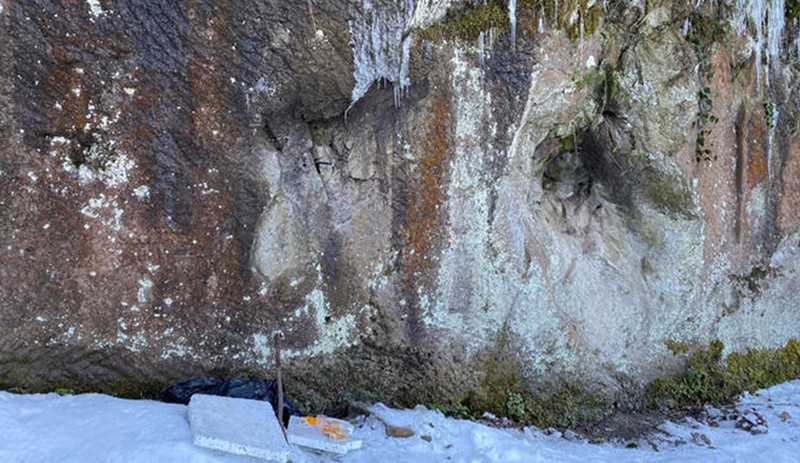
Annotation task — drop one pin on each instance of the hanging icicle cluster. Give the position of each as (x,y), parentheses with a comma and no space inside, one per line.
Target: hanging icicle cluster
(381,42)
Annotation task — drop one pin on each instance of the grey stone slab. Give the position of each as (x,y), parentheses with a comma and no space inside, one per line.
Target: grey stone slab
(240,426)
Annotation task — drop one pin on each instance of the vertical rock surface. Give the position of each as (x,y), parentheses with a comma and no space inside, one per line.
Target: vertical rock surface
(181,180)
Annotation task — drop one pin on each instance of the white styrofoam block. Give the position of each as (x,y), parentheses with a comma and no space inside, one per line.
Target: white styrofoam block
(301,433)
(241,426)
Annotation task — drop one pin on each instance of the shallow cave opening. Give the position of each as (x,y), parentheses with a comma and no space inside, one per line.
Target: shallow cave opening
(565,176)
(592,162)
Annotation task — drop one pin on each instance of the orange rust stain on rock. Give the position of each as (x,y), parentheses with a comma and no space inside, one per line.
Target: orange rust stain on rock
(788,219)
(425,217)
(756,162)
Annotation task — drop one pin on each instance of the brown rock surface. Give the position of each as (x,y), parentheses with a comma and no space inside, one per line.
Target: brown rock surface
(180,180)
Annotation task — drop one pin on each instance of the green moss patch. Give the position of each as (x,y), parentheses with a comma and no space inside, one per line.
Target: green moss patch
(792,9)
(576,17)
(708,379)
(469,23)
(500,391)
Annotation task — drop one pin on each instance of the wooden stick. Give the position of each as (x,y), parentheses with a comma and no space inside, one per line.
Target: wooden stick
(280,384)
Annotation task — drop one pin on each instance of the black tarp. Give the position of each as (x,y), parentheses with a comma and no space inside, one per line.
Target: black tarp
(255,388)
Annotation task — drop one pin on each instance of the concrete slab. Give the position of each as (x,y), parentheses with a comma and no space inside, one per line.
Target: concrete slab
(301,432)
(240,426)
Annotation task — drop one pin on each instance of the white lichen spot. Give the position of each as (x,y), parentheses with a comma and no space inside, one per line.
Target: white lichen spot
(39,318)
(95,8)
(76,91)
(142,192)
(262,348)
(176,349)
(168,301)
(116,172)
(129,91)
(32,176)
(152,268)
(104,210)
(144,286)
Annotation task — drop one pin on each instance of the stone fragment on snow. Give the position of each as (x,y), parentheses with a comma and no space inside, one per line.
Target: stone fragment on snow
(240,426)
(392,430)
(573,436)
(752,422)
(398,431)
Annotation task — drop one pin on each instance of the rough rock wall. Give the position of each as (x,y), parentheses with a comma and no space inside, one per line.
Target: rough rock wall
(181,180)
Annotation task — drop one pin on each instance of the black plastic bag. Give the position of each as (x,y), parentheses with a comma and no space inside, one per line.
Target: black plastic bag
(255,388)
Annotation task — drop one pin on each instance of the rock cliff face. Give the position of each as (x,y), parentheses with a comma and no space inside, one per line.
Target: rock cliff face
(408,204)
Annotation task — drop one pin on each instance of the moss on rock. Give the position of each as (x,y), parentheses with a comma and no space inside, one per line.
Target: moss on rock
(577,18)
(707,379)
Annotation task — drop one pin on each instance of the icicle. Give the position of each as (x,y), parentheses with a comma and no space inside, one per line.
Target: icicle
(512,18)
(555,14)
(797,45)
(481,46)
(768,20)
(381,45)
(796,40)
(541,25)
(776,24)
(685,29)
(756,11)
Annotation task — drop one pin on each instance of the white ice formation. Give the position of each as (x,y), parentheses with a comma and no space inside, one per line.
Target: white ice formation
(381,42)
(767,20)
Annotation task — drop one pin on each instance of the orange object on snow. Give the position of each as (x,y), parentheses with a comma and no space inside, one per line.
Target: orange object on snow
(331,427)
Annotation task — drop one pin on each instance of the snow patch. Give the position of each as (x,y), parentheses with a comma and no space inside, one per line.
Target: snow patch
(89,428)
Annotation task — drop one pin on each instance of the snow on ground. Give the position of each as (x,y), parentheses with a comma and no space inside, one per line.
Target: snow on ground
(93,428)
